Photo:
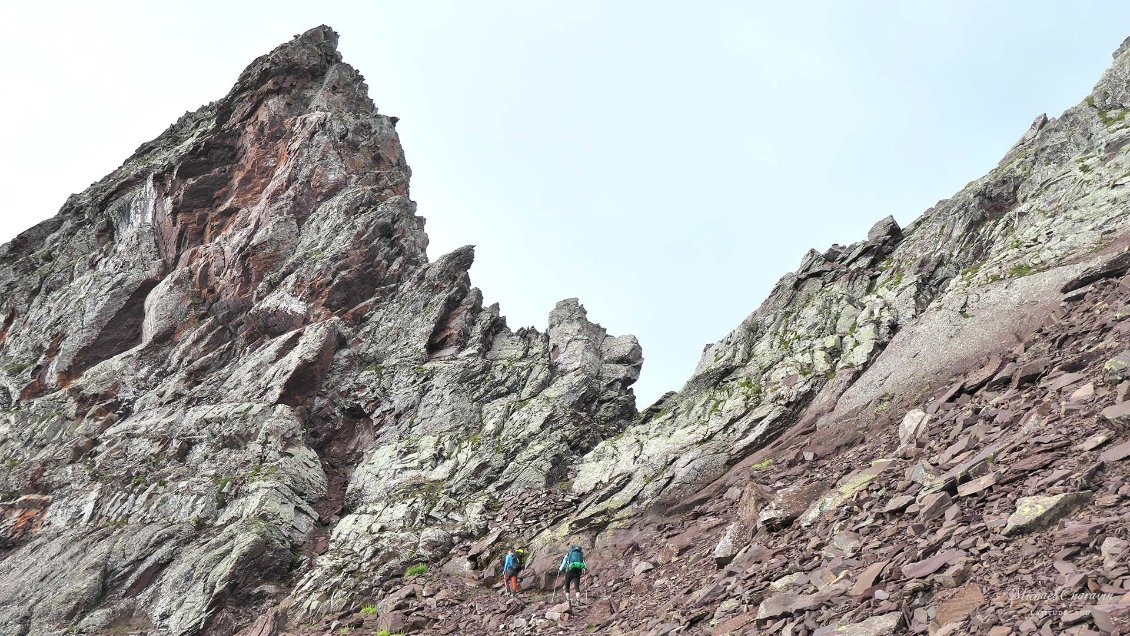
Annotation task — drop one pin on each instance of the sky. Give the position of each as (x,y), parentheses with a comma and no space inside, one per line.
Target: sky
(665,162)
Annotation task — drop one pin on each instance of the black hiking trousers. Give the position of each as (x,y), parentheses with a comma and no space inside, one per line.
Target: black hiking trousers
(574,577)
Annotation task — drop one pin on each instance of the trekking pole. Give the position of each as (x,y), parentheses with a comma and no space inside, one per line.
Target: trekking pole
(555,580)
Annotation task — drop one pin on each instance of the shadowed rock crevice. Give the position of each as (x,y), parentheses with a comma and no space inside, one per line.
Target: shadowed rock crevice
(121,333)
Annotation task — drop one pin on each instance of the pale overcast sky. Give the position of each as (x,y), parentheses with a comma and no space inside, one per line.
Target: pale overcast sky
(665,162)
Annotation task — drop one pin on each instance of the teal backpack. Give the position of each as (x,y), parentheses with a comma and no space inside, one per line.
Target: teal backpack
(576,559)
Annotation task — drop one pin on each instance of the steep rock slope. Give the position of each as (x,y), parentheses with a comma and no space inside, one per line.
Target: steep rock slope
(237,396)
(921,432)
(866,325)
(1001,506)
(230,374)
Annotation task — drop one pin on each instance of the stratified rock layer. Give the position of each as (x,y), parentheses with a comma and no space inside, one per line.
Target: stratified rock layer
(231,375)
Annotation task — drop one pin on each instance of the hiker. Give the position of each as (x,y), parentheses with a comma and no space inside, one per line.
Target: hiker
(573,565)
(511,566)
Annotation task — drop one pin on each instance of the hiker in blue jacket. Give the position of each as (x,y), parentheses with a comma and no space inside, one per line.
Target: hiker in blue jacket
(573,565)
(511,566)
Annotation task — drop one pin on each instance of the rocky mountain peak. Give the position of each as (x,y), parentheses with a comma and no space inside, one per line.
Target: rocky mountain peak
(312,53)
(233,355)
(1112,92)
(236,397)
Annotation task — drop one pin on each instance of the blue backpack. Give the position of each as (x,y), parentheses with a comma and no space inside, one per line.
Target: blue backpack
(576,558)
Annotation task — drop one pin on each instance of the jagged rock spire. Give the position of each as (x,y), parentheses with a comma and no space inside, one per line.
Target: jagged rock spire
(235,343)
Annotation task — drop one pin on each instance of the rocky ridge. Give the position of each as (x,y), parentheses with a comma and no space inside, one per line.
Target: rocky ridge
(232,377)
(237,397)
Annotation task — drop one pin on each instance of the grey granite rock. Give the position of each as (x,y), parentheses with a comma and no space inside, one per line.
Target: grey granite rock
(234,390)
(231,365)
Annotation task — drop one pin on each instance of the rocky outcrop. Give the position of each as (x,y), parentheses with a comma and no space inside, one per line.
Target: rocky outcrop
(863,328)
(234,380)
(237,397)
(1007,512)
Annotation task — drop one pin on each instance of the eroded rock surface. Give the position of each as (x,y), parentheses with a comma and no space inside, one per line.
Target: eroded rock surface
(237,397)
(234,379)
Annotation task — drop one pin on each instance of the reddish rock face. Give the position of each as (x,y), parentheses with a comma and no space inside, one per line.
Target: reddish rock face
(21,519)
(229,366)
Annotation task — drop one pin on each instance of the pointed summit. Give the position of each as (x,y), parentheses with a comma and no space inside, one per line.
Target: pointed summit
(309,67)
(245,312)
(1112,93)
(310,54)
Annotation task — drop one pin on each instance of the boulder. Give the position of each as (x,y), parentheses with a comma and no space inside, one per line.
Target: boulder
(933,505)
(559,612)
(898,504)
(1117,369)
(1033,513)
(790,503)
(959,605)
(868,577)
(1112,618)
(776,605)
(1112,550)
(912,425)
(884,229)
(977,485)
(788,580)
(735,625)
(733,540)
(1118,414)
(844,490)
(928,566)
(924,474)
(1028,372)
(1116,453)
(401,623)
(881,625)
